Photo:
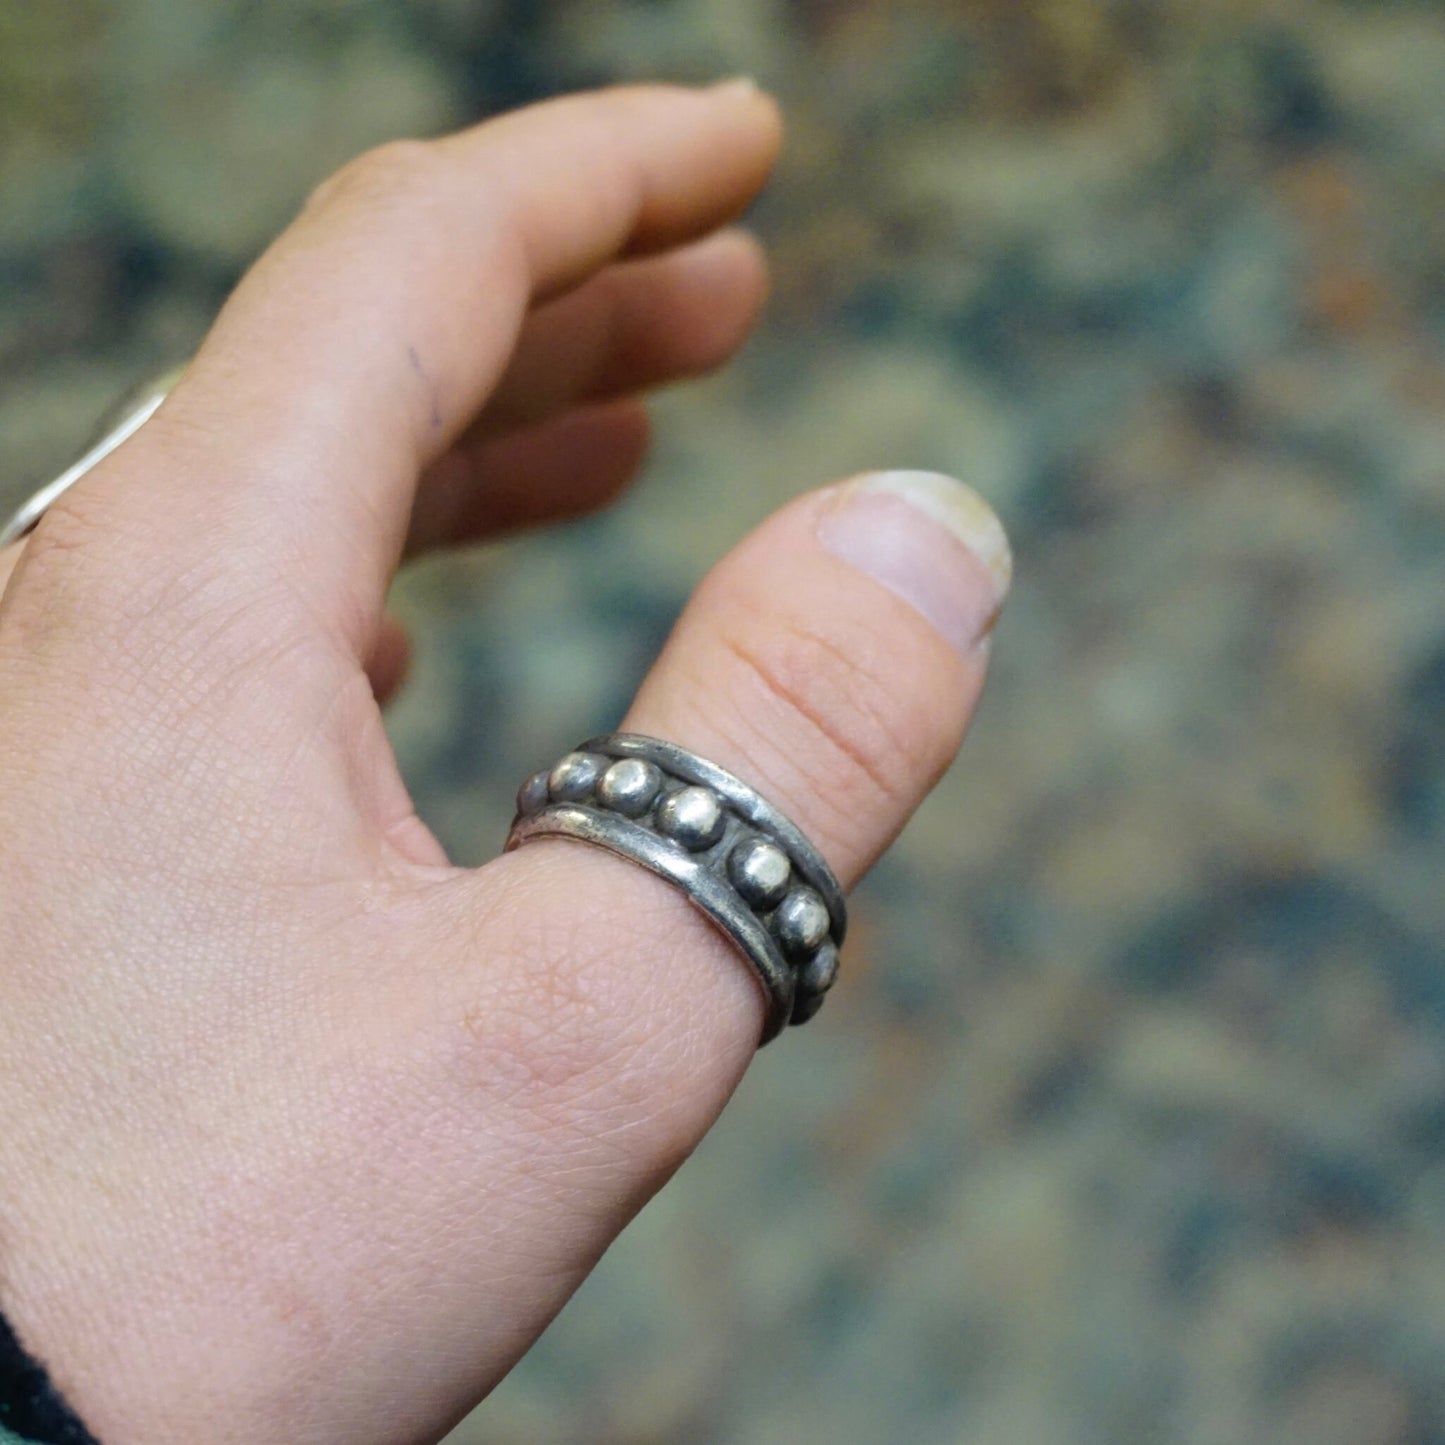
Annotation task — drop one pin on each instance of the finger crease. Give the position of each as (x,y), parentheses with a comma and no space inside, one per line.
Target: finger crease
(797,703)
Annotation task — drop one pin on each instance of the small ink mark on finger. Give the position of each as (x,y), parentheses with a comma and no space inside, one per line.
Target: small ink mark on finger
(416,366)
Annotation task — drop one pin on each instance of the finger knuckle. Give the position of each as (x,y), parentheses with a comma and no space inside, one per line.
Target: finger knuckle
(398,174)
(555,1033)
(558,1029)
(131,601)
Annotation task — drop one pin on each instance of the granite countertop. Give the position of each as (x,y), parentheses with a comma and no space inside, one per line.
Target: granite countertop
(1123,1125)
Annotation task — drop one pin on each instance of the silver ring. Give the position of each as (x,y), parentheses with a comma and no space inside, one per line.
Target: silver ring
(122,424)
(736,857)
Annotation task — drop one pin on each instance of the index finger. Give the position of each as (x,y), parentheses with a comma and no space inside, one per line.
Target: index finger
(370,334)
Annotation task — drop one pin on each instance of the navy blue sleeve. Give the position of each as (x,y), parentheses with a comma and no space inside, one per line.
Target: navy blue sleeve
(30,1408)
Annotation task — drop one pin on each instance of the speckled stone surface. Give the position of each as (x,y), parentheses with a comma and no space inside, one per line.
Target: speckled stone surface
(1126,1122)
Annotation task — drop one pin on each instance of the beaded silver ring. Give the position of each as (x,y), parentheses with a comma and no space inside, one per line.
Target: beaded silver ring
(736,857)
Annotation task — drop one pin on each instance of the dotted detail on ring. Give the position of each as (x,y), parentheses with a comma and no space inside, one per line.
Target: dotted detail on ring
(736,856)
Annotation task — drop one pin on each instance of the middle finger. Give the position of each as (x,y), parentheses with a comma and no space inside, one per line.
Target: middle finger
(543,448)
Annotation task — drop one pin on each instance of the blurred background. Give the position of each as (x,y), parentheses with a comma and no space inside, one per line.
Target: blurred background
(1126,1122)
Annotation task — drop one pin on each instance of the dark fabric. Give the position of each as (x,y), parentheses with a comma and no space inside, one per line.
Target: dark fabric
(29,1405)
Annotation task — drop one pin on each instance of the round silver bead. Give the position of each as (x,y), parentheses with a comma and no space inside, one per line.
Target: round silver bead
(820,972)
(532,795)
(693,816)
(805,1005)
(801,922)
(760,871)
(629,786)
(574,778)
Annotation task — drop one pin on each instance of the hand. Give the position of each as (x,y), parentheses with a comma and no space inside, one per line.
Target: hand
(305,1134)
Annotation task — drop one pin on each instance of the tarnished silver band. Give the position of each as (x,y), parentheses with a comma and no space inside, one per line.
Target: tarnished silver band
(125,422)
(736,857)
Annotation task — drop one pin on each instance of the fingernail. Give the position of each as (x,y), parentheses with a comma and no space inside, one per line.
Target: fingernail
(741,84)
(930,540)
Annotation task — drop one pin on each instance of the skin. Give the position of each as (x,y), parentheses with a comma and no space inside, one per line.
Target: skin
(306,1134)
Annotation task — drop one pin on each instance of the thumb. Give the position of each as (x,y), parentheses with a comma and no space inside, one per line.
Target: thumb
(832,661)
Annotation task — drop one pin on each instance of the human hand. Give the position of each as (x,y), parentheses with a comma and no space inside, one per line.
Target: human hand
(305,1134)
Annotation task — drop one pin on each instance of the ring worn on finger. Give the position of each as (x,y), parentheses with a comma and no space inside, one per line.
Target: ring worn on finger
(127,419)
(734,855)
